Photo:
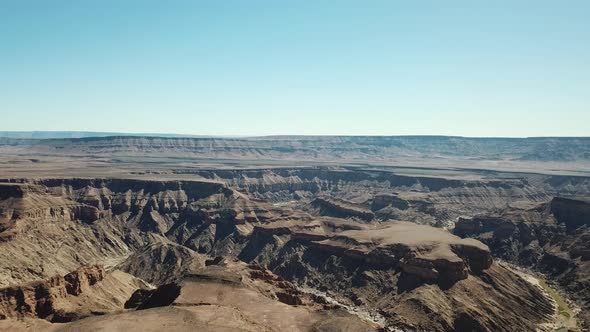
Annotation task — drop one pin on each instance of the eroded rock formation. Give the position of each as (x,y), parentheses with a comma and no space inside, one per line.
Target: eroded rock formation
(552,238)
(80,293)
(317,244)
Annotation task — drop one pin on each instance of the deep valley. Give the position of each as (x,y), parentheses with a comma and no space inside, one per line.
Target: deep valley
(155,239)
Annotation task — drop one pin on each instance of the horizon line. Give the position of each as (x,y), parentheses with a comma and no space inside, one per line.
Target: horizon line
(106,134)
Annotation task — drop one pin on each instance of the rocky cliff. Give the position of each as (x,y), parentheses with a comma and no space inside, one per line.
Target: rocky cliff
(341,208)
(85,291)
(552,238)
(397,270)
(229,296)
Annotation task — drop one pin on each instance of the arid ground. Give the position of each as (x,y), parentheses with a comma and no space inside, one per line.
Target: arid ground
(416,233)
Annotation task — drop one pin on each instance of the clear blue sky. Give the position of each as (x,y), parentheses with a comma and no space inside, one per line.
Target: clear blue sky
(472,68)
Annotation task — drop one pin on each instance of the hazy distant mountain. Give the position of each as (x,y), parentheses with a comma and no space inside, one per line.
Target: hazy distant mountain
(80,134)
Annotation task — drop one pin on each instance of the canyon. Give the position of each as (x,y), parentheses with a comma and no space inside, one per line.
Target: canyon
(294,234)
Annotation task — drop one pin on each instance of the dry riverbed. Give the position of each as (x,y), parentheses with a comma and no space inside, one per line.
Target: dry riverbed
(565,310)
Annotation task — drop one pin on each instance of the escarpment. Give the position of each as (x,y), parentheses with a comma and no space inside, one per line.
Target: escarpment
(230,295)
(551,238)
(341,208)
(81,221)
(86,291)
(572,213)
(394,267)
(425,252)
(40,298)
(381,201)
(432,200)
(527,236)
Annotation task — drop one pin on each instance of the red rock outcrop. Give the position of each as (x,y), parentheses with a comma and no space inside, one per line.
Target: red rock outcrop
(426,252)
(39,298)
